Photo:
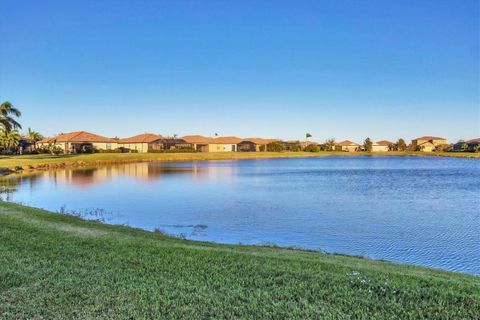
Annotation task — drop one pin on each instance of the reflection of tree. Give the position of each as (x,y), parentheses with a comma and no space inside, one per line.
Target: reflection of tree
(8,186)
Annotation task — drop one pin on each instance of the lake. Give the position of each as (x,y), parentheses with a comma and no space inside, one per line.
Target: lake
(415,210)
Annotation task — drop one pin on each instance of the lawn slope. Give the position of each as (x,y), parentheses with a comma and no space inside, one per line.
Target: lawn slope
(56,267)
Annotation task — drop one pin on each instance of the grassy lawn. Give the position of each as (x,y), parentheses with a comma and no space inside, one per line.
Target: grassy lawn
(56,267)
(99,158)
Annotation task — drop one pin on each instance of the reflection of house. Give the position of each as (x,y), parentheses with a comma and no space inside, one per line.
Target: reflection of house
(79,141)
(347,145)
(427,143)
(470,145)
(253,144)
(381,146)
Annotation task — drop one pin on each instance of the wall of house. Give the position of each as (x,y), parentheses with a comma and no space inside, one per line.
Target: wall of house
(378,148)
(427,147)
(351,148)
(141,147)
(220,147)
(105,145)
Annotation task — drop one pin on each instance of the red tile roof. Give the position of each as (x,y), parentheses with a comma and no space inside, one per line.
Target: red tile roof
(429,138)
(197,139)
(78,136)
(383,143)
(141,138)
(347,143)
(260,140)
(473,140)
(227,140)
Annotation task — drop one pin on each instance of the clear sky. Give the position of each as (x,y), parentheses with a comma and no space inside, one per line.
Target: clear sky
(343,69)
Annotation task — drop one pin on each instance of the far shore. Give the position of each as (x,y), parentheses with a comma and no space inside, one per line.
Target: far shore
(19,163)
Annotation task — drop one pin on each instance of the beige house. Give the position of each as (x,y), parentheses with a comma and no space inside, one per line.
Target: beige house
(381,146)
(253,144)
(348,146)
(142,143)
(199,143)
(427,143)
(224,144)
(79,141)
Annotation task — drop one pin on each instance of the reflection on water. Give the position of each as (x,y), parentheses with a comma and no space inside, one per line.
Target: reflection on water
(424,211)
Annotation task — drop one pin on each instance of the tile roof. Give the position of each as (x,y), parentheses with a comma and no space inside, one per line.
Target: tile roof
(473,140)
(141,138)
(228,140)
(197,139)
(347,143)
(260,140)
(78,136)
(384,143)
(429,138)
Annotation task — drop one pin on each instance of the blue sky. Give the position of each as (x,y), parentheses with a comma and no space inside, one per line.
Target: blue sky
(343,69)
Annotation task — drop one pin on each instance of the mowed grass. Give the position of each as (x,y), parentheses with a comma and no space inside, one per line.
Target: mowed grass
(106,158)
(61,267)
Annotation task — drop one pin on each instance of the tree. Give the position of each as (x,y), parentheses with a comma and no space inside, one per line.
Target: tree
(367,145)
(401,145)
(330,144)
(8,113)
(9,140)
(34,136)
(307,135)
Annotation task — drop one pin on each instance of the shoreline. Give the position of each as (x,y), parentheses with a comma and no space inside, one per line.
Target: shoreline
(16,164)
(89,268)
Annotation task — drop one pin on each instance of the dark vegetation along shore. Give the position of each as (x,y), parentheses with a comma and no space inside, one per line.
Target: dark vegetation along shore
(12,164)
(55,266)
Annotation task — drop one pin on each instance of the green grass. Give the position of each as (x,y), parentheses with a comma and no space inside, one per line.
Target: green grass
(54,266)
(45,160)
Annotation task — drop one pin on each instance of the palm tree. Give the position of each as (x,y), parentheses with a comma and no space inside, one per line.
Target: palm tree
(9,139)
(8,113)
(34,136)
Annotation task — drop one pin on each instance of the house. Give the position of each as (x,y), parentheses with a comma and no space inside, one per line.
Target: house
(199,143)
(427,143)
(79,141)
(347,145)
(253,144)
(142,143)
(381,146)
(224,144)
(469,145)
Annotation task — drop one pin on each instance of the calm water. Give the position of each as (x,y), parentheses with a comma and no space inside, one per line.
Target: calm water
(423,211)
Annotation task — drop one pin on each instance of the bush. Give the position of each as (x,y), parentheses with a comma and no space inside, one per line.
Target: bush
(294,148)
(312,148)
(262,148)
(117,150)
(183,150)
(275,146)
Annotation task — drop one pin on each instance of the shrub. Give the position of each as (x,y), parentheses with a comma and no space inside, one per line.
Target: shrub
(275,146)
(262,148)
(312,148)
(117,150)
(294,148)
